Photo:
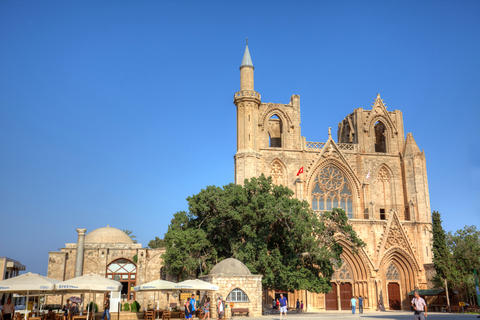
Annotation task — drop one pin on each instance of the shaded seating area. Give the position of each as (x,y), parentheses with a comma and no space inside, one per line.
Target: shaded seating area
(435,299)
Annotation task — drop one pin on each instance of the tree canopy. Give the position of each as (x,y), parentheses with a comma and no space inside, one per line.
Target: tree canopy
(131,235)
(156,243)
(265,227)
(456,256)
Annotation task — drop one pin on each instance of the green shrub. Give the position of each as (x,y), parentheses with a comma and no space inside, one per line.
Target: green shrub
(135,306)
(126,306)
(93,307)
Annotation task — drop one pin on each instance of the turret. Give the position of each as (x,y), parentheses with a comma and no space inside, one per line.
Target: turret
(247,102)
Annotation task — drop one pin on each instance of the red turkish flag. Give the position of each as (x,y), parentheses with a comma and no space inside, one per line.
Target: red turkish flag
(300,171)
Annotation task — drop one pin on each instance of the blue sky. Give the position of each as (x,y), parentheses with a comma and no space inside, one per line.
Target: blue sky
(114,112)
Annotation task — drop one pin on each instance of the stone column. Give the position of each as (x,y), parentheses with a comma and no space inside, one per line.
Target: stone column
(80,249)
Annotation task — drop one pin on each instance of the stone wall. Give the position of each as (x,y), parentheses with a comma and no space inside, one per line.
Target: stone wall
(251,285)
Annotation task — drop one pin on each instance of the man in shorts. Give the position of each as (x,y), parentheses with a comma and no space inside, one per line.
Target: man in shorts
(419,307)
(283,305)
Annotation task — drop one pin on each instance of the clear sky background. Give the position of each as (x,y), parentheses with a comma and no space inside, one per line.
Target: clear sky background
(113,112)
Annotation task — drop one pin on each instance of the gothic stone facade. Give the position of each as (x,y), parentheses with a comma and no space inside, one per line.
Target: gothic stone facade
(372,171)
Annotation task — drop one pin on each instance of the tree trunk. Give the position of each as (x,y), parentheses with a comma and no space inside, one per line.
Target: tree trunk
(446,294)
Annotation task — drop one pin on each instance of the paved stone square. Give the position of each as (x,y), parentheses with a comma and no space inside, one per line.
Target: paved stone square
(370,316)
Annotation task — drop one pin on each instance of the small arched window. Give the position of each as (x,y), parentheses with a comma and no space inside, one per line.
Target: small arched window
(237,295)
(275,132)
(380,139)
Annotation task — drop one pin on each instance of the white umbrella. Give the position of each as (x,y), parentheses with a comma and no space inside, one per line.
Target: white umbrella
(89,283)
(28,283)
(156,285)
(196,284)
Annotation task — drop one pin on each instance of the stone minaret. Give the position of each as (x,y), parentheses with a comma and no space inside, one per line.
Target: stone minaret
(80,249)
(247,101)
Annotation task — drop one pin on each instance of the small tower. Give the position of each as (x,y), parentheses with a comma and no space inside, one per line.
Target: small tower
(247,101)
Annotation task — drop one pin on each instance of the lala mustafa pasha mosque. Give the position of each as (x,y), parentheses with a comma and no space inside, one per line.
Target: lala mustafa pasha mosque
(372,171)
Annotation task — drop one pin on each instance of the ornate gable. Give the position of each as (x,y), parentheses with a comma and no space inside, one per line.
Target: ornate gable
(332,153)
(379,111)
(394,235)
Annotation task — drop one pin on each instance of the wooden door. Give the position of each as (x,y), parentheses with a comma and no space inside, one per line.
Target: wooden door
(394,296)
(331,301)
(345,295)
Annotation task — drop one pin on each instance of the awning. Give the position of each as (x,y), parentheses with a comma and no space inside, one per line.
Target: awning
(427,292)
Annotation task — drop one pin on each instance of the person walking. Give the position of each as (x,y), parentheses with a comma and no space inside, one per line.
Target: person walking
(360,304)
(353,304)
(206,309)
(298,305)
(66,310)
(188,310)
(283,305)
(8,309)
(301,306)
(220,308)
(193,305)
(106,307)
(419,307)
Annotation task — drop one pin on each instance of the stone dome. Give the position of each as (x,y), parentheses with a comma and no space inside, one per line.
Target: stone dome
(230,267)
(107,235)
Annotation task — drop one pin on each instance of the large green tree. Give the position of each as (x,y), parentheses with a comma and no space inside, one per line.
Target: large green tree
(464,245)
(442,258)
(265,227)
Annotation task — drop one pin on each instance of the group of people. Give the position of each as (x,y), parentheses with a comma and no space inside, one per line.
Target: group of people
(353,304)
(191,308)
(70,309)
(281,304)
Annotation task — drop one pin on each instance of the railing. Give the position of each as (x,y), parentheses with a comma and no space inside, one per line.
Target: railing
(346,146)
(247,93)
(314,145)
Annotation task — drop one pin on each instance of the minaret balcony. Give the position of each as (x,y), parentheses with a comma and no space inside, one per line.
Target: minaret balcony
(247,94)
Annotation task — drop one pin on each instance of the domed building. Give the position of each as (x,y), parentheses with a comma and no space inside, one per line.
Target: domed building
(237,286)
(109,252)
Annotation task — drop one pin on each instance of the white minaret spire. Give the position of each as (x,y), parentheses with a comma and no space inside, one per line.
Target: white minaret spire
(247,59)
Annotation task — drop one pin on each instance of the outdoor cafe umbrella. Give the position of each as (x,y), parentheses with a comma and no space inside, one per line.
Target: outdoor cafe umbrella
(88,283)
(196,284)
(156,285)
(28,283)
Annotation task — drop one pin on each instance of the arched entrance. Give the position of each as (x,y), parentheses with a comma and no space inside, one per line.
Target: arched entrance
(400,278)
(350,280)
(124,271)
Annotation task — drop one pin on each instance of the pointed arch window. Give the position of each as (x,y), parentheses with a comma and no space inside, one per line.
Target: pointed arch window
(380,138)
(392,272)
(332,190)
(275,132)
(343,273)
(237,295)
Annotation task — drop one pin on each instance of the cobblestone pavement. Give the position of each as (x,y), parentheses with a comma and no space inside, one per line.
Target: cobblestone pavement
(370,316)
